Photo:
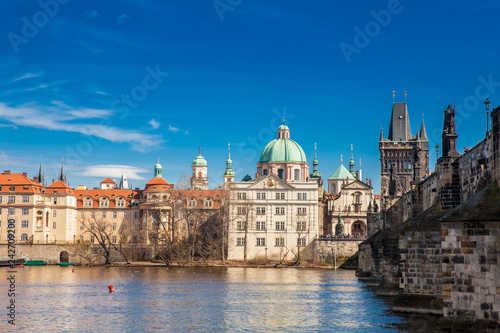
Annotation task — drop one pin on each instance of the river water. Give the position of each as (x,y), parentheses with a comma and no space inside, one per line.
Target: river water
(52,298)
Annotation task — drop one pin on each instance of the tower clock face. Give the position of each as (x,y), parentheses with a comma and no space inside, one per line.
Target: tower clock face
(271,183)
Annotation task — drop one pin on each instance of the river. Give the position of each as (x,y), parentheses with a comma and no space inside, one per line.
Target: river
(179,299)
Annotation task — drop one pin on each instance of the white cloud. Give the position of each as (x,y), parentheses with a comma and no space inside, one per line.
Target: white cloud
(90,113)
(172,128)
(100,92)
(27,76)
(93,14)
(123,17)
(54,119)
(186,132)
(113,171)
(154,124)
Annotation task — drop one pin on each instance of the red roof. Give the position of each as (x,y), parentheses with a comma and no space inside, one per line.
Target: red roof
(158,184)
(108,180)
(377,196)
(21,183)
(59,187)
(112,195)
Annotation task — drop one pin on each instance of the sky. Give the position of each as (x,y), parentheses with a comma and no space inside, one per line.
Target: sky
(113,86)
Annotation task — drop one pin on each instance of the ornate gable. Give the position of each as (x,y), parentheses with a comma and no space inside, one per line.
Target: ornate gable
(270,182)
(357,185)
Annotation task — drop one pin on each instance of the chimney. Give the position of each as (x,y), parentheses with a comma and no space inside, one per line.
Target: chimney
(53,181)
(35,179)
(6,172)
(25,174)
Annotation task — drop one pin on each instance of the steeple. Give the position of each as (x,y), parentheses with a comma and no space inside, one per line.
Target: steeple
(351,164)
(41,176)
(315,174)
(229,173)
(381,133)
(158,169)
(124,182)
(62,175)
(283,131)
(423,132)
(199,179)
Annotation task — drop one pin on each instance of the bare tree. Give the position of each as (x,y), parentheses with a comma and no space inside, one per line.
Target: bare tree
(302,228)
(104,233)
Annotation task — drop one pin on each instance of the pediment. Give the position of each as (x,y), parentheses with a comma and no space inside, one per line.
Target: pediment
(357,185)
(270,182)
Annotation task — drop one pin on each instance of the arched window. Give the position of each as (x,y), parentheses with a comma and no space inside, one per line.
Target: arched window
(199,174)
(296,175)
(208,202)
(334,189)
(264,172)
(192,202)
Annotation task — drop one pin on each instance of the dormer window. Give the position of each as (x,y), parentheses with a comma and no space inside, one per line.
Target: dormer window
(208,202)
(87,202)
(192,202)
(104,202)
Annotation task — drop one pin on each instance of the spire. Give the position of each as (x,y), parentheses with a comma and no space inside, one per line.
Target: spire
(41,176)
(417,135)
(62,175)
(315,173)
(423,132)
(381,132)
(351,163)
(229,172)
(124,182)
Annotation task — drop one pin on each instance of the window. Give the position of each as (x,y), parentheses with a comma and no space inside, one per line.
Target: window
(240,225)
(10,211)
(280,225)
(208,202)
(114,215)
(104,202)
(261,196)
(261,225)
(242,195)
(192,202)
(113,239)
(53,225)
(55,201)
(301,226)
(301,242)
(125,214)
(81,238)
(91,226)
(280,173)
(92,239)
(25,211)
(301,196)
(334,189)
(261,241)
(103,215)
(12,199)
(280,241)
(240,241)
(26,198)
(120,202)
(261,210)
(24,237)
(24,224)
(264,172)
(136,215)
(81,226)
(242,210)
(54,213)
(92,215)
(114,226)
(81,215)
(280,210)
(301,210)
(280,196)
(296,174)
(87,202)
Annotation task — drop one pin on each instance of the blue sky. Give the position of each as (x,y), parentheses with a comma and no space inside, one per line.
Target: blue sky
(113,85)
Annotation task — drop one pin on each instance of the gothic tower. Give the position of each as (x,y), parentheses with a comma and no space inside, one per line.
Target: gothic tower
(403,157)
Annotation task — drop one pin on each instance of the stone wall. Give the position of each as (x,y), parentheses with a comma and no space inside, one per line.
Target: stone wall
(326,249)
(471,271)
(475,168)
(374,223)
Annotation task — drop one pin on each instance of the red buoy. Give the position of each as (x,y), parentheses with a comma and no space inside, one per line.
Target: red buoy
(111,289)
(73,270)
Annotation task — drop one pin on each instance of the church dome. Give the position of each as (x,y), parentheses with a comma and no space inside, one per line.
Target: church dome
(199,160)
(283,149)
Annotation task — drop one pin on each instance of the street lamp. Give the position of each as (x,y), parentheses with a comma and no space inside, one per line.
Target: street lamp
(487,107)
(437,152)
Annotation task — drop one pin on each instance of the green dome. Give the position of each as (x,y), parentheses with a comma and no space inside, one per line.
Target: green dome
(283,127)
(200,161)
(283,151)
(246,178)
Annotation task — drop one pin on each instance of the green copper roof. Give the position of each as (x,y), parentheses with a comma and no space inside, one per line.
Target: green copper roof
(199,160)
(283,127)
(283,150)
(246,178)
(341,173)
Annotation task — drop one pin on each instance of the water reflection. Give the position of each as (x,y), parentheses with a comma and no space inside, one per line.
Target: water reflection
(196,299)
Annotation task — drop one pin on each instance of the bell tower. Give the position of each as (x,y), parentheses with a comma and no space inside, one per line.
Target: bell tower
(199,179)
